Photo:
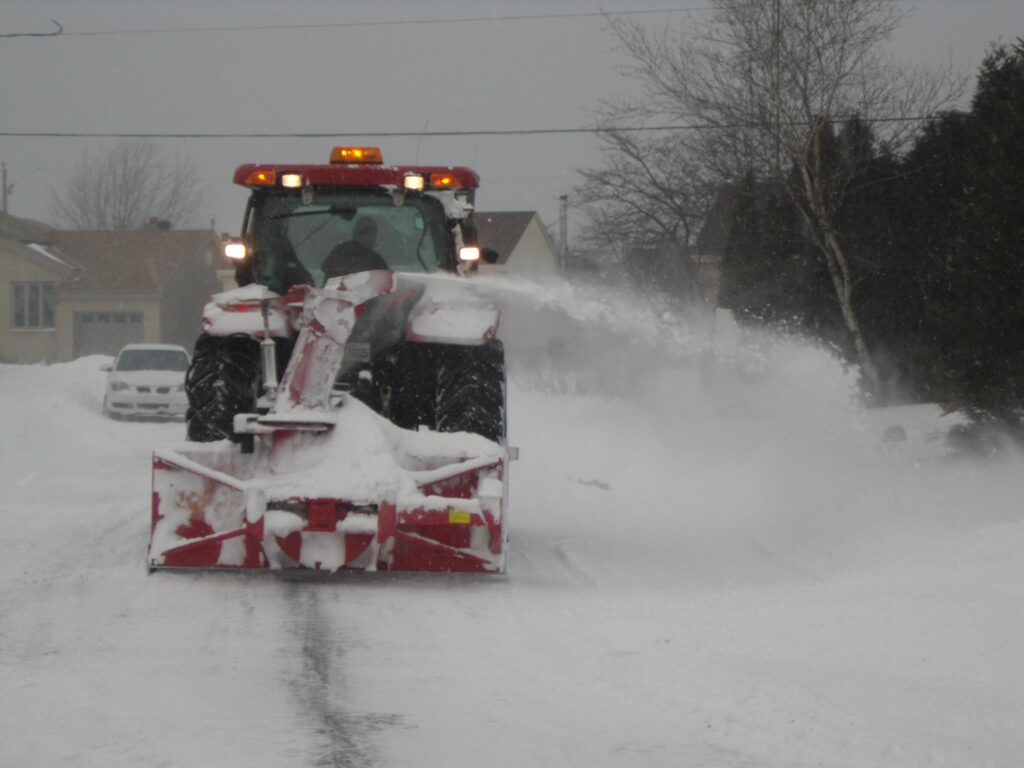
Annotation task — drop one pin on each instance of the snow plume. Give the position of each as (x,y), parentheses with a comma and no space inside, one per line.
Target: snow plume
(568,338)
(728,439)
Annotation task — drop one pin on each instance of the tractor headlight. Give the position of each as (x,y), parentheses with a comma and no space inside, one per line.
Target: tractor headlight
(235,249)
(469,253)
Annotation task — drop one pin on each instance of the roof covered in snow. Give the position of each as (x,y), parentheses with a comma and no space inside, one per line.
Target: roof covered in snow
(23,230)
(32,241)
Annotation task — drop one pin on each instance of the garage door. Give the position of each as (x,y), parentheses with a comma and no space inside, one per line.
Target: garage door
(104,333)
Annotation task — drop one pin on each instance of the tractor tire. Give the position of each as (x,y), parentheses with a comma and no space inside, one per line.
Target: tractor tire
(471,390)
(409,385)
(221,382)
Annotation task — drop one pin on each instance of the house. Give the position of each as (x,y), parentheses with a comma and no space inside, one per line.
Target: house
(523,245)
(30,271)
(64,294)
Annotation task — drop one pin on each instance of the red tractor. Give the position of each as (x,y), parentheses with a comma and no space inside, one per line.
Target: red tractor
(347,400)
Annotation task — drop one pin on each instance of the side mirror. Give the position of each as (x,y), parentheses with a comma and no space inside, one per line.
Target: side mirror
(106,367)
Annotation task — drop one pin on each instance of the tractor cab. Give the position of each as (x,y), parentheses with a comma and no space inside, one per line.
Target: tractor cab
(305,224)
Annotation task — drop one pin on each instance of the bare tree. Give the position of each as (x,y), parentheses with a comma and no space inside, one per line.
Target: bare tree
(763,81)
(650,195)
(126,185)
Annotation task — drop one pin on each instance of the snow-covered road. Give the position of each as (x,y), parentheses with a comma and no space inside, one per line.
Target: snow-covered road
(715,561)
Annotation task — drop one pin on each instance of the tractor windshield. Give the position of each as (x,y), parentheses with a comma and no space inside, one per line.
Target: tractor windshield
(346,230)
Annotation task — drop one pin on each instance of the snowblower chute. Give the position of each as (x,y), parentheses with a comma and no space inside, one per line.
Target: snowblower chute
(380,445)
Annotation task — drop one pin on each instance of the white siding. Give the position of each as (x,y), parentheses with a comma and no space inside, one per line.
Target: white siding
(534,255)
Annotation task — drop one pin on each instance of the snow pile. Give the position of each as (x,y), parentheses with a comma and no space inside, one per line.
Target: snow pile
(354,461)
(363,459)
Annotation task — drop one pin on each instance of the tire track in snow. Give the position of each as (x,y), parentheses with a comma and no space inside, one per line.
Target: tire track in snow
(574,564)
(536,558)
(346,736)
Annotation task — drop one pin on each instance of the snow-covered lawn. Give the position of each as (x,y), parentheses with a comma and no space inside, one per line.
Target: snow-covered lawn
(716,560)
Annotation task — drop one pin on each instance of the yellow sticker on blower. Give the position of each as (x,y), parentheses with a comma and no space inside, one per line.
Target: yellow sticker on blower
(458,517)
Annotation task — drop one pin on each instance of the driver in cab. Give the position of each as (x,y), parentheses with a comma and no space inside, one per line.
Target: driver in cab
(357,254)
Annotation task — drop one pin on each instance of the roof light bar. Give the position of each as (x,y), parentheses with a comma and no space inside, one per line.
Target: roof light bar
(357,155)
(443,181)
(261,179)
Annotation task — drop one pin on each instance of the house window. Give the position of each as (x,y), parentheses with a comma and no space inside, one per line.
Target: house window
(33,305)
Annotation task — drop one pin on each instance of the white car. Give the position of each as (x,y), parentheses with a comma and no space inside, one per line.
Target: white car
(147,381)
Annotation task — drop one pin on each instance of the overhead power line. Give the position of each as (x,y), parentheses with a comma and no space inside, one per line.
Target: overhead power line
(56,33)
(327,134)
(454,133)
(372,23)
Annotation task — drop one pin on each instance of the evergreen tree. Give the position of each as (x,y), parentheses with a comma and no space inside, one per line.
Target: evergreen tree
(964,193)
(932,197)
(989,358)
(771,271)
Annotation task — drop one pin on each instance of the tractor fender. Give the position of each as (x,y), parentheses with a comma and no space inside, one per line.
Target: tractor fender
(443,322)
(449,311)
(238,311)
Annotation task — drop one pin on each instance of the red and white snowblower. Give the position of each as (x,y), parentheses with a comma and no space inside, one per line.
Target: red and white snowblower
(347,401)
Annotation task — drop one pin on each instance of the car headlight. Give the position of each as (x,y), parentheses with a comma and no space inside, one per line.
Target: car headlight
(117,386)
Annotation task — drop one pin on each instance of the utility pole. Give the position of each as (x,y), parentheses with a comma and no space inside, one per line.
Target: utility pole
(563,230)
(3,183)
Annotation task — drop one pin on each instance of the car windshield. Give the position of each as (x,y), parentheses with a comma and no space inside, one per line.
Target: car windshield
(152,360)
(292,238)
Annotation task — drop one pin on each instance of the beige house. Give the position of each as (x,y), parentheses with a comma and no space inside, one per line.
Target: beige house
(30,272)
(64,294)
(523,245)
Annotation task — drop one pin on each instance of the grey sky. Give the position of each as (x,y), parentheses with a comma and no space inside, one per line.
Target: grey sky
(499,74)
